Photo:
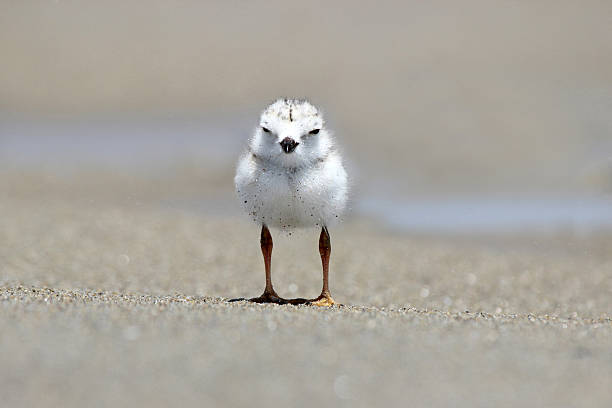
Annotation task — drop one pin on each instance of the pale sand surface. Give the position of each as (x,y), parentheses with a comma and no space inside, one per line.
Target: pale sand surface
(115,301)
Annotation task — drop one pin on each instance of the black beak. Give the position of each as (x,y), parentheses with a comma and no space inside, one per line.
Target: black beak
(288,144)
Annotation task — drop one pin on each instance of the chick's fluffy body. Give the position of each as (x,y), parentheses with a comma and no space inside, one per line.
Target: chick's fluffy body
(304,188)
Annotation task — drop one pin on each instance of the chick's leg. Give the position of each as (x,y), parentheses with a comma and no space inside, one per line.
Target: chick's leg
(324,298)
(269,295)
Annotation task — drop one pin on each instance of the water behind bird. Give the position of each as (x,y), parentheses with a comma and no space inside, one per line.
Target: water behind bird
(159,146)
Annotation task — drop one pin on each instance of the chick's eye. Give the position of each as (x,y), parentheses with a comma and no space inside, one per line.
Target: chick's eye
(314,131)
(265,129)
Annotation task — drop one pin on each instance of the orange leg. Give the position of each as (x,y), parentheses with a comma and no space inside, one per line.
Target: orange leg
(324,298)
(269,295)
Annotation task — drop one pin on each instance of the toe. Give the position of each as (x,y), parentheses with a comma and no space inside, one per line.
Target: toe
(323,301)
(268,298)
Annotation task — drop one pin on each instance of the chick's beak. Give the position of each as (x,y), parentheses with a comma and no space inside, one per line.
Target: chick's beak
(288,144)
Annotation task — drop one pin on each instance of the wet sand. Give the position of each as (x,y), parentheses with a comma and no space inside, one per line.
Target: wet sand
(110,301)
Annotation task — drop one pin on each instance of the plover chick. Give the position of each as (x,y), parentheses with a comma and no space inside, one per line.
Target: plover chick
(291,176)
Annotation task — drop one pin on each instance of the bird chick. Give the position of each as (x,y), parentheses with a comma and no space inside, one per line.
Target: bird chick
(291,176)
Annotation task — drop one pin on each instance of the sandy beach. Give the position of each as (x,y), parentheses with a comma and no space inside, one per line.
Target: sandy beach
(473,268)
(105,301)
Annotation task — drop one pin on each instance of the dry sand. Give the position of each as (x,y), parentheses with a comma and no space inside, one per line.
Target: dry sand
(110,302)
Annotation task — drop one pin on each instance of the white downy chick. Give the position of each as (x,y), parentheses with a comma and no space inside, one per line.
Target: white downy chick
(291,176)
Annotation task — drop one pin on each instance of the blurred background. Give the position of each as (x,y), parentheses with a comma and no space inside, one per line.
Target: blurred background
(453,115)
(474,263)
